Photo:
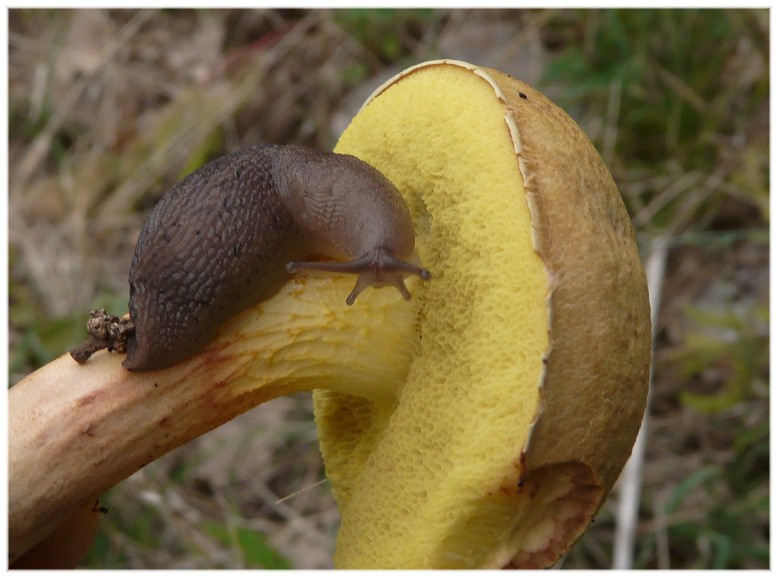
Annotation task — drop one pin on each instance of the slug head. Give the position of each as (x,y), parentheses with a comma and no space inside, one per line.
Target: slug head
(348,208)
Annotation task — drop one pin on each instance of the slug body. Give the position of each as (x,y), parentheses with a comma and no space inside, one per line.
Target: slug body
(230,235)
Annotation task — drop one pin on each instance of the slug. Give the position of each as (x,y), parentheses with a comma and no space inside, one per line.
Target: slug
(230,234)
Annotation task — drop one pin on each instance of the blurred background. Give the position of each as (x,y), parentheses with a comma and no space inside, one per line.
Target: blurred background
(109,108)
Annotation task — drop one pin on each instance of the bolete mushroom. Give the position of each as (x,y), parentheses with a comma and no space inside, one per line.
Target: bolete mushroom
(480,425)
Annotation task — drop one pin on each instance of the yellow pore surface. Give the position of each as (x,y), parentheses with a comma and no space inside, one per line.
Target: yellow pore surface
(430,480)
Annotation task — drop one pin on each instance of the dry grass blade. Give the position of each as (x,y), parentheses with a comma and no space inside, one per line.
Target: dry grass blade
(190,119)
(40,147)
(300,491)
(630,483)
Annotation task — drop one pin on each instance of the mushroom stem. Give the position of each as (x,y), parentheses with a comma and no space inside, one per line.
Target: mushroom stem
(77,430)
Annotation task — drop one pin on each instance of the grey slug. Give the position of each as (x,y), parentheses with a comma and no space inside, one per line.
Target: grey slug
(230,234)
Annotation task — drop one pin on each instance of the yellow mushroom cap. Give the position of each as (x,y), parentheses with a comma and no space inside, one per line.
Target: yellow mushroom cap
(526,388)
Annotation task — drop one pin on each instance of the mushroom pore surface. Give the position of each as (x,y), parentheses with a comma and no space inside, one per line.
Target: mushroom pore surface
(437,470)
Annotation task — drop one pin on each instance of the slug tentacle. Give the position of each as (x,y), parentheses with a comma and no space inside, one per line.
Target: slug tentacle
(377,267)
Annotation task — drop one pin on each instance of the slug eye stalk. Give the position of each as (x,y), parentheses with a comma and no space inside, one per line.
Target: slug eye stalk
(378,267)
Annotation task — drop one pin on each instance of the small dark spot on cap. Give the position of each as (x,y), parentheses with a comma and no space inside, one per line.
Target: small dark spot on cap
(522,95)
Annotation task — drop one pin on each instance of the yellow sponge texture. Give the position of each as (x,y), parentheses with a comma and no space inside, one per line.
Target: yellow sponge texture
(431,473)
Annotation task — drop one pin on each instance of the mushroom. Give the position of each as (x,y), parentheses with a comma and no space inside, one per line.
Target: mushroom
(480,425)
